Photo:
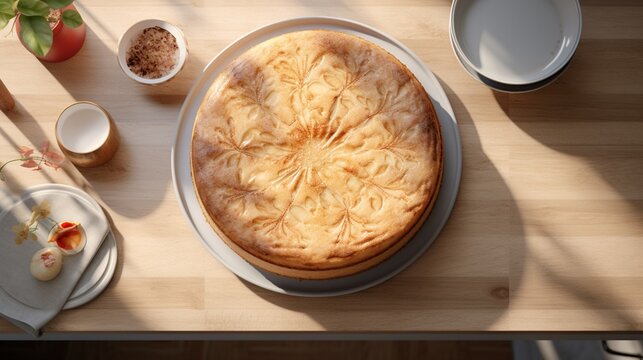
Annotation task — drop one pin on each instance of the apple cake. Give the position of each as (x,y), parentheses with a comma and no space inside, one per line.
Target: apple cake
(316,154)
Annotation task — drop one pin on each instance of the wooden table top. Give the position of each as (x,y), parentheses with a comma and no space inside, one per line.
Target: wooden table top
(546,234)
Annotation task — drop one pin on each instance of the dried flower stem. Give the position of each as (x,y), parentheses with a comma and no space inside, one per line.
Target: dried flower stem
(47,157)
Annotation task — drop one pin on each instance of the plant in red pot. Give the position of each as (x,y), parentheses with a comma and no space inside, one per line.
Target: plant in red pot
(51,29)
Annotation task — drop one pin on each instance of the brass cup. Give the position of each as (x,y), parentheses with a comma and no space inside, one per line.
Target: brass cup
(107,144)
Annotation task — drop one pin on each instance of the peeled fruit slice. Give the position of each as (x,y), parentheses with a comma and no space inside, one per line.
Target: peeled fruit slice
(46,263)
(69,237)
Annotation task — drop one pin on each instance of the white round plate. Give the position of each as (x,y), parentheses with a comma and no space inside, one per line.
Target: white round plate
(185,191)
(97,276)
(100,270)
(516,42)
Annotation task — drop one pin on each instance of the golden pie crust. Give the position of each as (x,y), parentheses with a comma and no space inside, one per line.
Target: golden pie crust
(316,154)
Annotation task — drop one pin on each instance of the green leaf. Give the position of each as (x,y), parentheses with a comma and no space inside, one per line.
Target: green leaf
(72,18)
(36,34)
(4,20)
(7,12)
(7,7)
(58,4)
(33,7)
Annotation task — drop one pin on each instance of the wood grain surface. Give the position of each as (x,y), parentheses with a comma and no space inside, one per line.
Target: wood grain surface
(546,235)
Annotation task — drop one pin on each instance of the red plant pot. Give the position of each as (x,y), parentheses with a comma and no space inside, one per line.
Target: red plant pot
(66,43)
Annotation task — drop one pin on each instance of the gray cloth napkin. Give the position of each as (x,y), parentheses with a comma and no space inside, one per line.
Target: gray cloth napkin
(25,301)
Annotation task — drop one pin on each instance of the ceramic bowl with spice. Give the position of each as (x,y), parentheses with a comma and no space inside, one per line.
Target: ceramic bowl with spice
(152,51)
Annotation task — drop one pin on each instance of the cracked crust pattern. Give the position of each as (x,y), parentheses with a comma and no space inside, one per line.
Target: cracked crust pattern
(315,150)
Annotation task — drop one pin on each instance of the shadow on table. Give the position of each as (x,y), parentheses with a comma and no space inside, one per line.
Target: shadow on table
(107,299)
(458,277)
(139,173)
(603,127)
(144,115)
(16,188)
(77,75)
(31,129)
(444,279)
(576,117)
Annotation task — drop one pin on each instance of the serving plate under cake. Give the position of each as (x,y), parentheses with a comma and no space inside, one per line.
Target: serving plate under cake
(428,230)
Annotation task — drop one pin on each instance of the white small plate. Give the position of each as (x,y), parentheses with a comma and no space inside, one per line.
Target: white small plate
(97,275)
(102,266)
(516,42)
(429,231)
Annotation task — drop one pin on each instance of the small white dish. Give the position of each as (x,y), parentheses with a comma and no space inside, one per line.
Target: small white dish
(130,35)
(516,42)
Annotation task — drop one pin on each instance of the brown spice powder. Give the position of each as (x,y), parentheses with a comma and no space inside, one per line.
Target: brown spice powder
(153,54)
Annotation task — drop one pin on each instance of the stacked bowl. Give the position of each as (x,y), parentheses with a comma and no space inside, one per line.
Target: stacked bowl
(515,45)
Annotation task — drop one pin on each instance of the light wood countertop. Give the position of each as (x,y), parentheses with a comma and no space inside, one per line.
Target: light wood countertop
(546,234)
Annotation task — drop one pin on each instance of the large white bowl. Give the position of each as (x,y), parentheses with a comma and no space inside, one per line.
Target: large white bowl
(516,42)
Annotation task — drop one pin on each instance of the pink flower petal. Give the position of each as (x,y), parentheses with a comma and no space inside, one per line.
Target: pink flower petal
(29,164)
(53,165)
(53,157)
(25,151)
(44,147)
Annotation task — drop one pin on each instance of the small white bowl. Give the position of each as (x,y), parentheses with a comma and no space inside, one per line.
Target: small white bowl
(516,42)
(498,86)
(128,37)
(86,134)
